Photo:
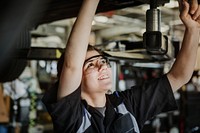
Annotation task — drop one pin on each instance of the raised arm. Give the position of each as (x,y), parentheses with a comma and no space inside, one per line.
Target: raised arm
(183,67)
(76,49)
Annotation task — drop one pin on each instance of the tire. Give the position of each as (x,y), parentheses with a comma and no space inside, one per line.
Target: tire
(13,66)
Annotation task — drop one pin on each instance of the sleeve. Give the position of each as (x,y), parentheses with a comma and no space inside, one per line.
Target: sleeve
(66,112)
(150,99)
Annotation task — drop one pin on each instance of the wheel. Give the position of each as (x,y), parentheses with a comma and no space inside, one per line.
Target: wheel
(13,66)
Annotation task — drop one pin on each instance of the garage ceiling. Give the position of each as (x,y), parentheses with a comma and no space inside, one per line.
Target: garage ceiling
(115,19)
(62,9)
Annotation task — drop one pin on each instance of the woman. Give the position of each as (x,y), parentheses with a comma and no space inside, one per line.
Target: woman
(78,102)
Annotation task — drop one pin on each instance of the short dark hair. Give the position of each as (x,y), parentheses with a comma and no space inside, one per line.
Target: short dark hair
(61,59)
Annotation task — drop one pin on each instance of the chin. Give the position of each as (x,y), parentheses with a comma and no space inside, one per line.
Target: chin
(107,87)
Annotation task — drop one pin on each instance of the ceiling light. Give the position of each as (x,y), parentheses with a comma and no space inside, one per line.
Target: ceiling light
(101,19)
(171,4)
(93,22)
(60,30)
(148,65)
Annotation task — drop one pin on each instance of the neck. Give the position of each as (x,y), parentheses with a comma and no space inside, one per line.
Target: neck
(94,100)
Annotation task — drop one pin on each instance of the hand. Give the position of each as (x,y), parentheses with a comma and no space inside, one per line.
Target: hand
(190,13)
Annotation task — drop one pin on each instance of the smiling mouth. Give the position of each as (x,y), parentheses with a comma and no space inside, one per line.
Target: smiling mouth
(103,77)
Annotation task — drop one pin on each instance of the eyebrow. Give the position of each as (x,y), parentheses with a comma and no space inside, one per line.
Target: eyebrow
(90,59)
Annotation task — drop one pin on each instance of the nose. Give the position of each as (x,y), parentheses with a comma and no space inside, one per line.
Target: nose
(102,67)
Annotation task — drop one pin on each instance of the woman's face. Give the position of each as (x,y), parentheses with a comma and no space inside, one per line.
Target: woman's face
(97,75)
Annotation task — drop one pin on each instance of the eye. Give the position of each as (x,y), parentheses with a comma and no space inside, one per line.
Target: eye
(90,65)
(103,61)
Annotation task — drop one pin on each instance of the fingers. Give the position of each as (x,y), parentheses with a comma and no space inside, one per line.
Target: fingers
(180,5)
(190,13)
(193,6)
(198,20)
(185,8)
(196,13)
(194,9)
